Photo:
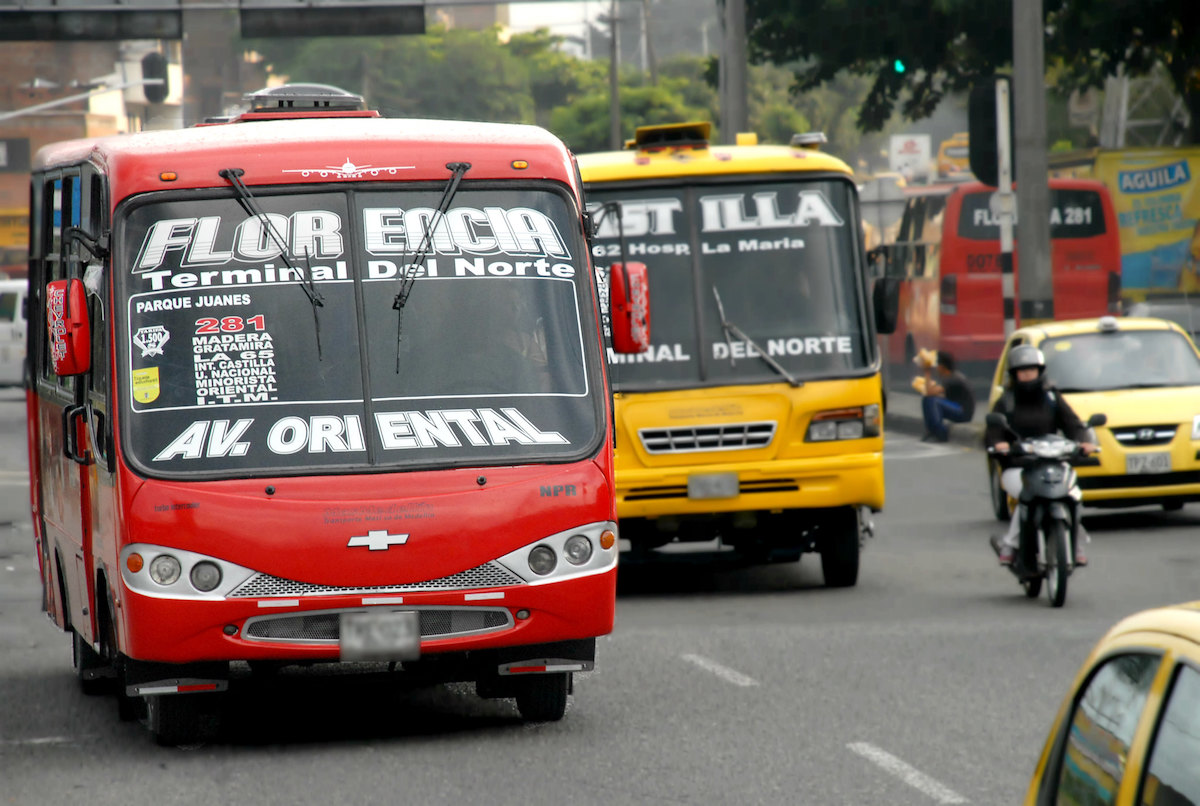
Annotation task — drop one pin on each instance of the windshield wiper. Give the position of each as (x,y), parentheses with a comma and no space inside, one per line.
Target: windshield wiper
(730,327)
(457,169)
(250,205)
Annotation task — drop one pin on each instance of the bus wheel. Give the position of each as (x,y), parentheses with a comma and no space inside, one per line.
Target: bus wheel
(177,719)
(543,697)
(86,661)
(129,709)
(840,548)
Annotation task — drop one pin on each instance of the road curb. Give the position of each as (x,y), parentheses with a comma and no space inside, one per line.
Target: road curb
(903,415)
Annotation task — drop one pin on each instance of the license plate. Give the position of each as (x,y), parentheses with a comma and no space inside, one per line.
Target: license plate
(713,485)
(1136,463)
(388,635)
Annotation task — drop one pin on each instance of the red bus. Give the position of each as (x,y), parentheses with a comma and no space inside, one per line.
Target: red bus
(947,256)
(319,386)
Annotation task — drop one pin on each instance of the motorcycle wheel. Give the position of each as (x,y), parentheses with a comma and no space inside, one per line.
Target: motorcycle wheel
(1000,506)
(1056,564)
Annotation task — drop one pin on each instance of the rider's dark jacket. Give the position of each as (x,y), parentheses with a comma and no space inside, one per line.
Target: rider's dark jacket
(1032,412)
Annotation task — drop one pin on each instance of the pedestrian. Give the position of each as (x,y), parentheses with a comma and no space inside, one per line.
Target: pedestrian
(947,399)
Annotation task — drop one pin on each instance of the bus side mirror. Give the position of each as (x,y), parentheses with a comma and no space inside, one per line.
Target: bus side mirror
(67,321)
(629,290)
(886,299)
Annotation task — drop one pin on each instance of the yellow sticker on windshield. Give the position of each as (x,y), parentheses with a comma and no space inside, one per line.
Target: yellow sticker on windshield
(1062,346)
(145,385)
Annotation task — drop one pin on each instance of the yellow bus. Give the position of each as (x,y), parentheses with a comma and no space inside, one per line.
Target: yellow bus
(953,155)
(754,420)
(14,241)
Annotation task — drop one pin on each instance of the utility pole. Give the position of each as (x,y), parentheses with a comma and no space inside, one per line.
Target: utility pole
(648,44)
(614,89)
(1035,289)
(734,117)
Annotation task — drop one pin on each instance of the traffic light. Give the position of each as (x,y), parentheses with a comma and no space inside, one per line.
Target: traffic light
(983,145)
(154,65)
(898,65)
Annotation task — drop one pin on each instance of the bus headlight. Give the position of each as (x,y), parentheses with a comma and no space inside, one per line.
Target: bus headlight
(165,569)
(578,549)
(542,560)
(849,423)
(205,576)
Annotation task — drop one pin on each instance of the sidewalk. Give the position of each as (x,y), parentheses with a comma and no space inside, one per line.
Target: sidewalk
(904,415)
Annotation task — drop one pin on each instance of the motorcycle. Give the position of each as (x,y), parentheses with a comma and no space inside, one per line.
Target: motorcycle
(1048,510)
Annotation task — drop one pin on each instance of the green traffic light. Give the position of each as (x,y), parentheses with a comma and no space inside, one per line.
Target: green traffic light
(898,66)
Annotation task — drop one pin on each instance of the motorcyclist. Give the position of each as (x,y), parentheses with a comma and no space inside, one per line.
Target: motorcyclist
(1032,409)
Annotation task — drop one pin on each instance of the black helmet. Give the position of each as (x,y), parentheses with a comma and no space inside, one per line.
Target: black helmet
(1024,356)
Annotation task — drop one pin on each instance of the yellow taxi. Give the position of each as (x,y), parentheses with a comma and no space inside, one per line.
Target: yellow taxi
(1143,374)
(1129,731)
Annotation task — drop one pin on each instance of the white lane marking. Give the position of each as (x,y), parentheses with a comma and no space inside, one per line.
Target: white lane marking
(909,775)
(40,740)
(723,672)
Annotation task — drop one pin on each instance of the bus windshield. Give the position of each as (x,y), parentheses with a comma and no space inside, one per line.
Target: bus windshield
(233,370)
(779,256)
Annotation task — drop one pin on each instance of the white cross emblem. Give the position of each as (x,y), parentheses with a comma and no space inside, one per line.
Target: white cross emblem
(377,540)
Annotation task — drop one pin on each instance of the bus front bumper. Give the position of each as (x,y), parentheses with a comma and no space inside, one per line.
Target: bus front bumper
(809,483)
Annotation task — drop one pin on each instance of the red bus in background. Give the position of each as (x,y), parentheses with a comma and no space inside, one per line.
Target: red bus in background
(947,256)
(315,386)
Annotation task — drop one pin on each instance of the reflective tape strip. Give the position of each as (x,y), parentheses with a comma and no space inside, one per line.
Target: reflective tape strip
(382,600)
(475,597)
(279,603)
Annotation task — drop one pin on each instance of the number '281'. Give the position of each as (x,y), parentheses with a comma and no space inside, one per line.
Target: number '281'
(229,324)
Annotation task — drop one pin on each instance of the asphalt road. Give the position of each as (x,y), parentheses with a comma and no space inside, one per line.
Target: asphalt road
(932,681)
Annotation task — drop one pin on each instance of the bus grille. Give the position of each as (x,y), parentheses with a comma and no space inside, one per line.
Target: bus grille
(489,575)
(325,627)
(725,437)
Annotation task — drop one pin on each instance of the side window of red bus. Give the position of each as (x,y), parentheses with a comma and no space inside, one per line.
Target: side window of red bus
(931,235)
(60,210)
(95,270)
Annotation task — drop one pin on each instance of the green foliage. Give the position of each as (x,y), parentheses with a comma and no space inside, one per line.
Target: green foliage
(946,45)
(473,75)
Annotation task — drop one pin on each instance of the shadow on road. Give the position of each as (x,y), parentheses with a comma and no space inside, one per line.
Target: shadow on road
(708,572)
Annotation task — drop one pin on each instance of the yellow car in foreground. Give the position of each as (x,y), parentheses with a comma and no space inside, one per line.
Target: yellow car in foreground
(1129,731)
(1144,375)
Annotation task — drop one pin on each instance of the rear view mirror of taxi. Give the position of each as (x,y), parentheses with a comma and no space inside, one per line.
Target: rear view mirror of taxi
(67,321)
(630,299)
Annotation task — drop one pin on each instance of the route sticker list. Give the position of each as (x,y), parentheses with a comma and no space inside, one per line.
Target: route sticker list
(234,360)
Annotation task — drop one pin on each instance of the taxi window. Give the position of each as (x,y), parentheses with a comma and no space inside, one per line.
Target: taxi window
(8,306)
(1101,731)
(1173,775)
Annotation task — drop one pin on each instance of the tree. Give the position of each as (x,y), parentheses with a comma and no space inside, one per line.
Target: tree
(946,45)
(456,74)
(1133,35)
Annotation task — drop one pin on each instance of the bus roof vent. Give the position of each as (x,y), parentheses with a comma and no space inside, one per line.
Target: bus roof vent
(296,97)
(671,135)
(810,140)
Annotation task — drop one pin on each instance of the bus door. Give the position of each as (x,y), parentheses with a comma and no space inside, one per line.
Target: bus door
(62,471)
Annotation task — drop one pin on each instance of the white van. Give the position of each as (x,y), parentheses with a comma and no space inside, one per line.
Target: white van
(12,331)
